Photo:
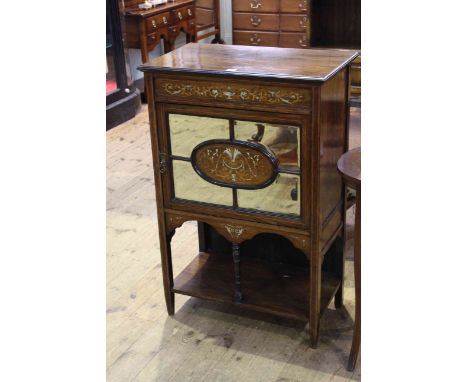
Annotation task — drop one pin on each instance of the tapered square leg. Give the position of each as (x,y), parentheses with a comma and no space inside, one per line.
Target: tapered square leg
(314,298)
(166,266)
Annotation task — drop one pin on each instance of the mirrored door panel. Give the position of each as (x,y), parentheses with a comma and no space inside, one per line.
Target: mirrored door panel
(230,156)
(281,197)
(187,131)
(188,185)
(282,140)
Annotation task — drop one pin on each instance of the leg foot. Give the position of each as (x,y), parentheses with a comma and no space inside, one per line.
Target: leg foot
(314,335)
(354,352)
(170,302)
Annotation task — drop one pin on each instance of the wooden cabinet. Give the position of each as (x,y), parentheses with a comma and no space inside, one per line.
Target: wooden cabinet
(245,141)
(282,23)
(146,28)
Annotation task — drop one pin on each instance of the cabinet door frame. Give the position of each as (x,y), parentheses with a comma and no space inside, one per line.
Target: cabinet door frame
(302,121)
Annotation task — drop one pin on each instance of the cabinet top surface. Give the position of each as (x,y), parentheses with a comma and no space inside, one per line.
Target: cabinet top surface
(135,11)
(248,61)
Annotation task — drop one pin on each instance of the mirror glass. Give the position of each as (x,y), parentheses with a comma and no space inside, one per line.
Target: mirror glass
(187,131)
(282,196)
(189,185)
(282,140)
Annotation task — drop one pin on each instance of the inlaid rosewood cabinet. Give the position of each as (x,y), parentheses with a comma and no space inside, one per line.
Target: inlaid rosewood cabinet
(245,141)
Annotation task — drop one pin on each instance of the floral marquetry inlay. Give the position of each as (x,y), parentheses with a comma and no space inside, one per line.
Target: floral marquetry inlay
(235,164)
(235,93)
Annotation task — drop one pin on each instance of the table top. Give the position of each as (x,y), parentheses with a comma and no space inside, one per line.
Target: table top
(316,65)
(135,11)
(349,166)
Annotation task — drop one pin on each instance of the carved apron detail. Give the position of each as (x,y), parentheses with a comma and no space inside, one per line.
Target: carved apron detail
(234,230)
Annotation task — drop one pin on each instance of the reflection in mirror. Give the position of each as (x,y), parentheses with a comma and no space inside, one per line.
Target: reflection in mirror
(187,131)
(283,196)
(189,185)
(282,140)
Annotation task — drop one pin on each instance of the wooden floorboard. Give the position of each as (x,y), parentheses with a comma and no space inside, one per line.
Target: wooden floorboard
(203,341)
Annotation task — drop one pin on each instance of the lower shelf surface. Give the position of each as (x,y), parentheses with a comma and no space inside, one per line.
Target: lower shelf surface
(269,287)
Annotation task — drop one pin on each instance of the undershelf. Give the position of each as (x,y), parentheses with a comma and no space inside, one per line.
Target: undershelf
(267,287)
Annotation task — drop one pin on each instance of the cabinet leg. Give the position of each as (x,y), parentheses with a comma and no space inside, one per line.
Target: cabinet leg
(166,265)
(357,281)
(314,298)
(339,270)
(314,333)
(237,282)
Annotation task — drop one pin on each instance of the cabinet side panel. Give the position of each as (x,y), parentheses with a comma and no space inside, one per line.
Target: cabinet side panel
(332,145)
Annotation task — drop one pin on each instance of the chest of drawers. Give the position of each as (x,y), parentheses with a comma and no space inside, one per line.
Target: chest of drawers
(283,23)
(245,142)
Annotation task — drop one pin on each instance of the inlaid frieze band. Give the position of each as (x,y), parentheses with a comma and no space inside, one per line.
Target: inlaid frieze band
(235,164)
(234,92)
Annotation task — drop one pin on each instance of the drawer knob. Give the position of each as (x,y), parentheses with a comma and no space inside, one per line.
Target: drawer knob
(189,12)
(153,22)
(254,40)
(164,20)
(180,15)
(303,6)
(255,20)
(254,4)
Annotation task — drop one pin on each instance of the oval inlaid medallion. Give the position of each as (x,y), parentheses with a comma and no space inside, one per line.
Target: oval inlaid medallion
(236,164)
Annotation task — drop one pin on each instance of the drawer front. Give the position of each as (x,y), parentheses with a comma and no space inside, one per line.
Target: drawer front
(153,24)
(256,38)
(153,39)
(205,16)
(294,23)
(235,94)
(255,5)
(204,4)
(260,21)
(183,13)
(294,6)
(294,40)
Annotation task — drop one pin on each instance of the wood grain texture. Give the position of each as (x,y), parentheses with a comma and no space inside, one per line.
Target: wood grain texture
(204,340)
(316,65)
